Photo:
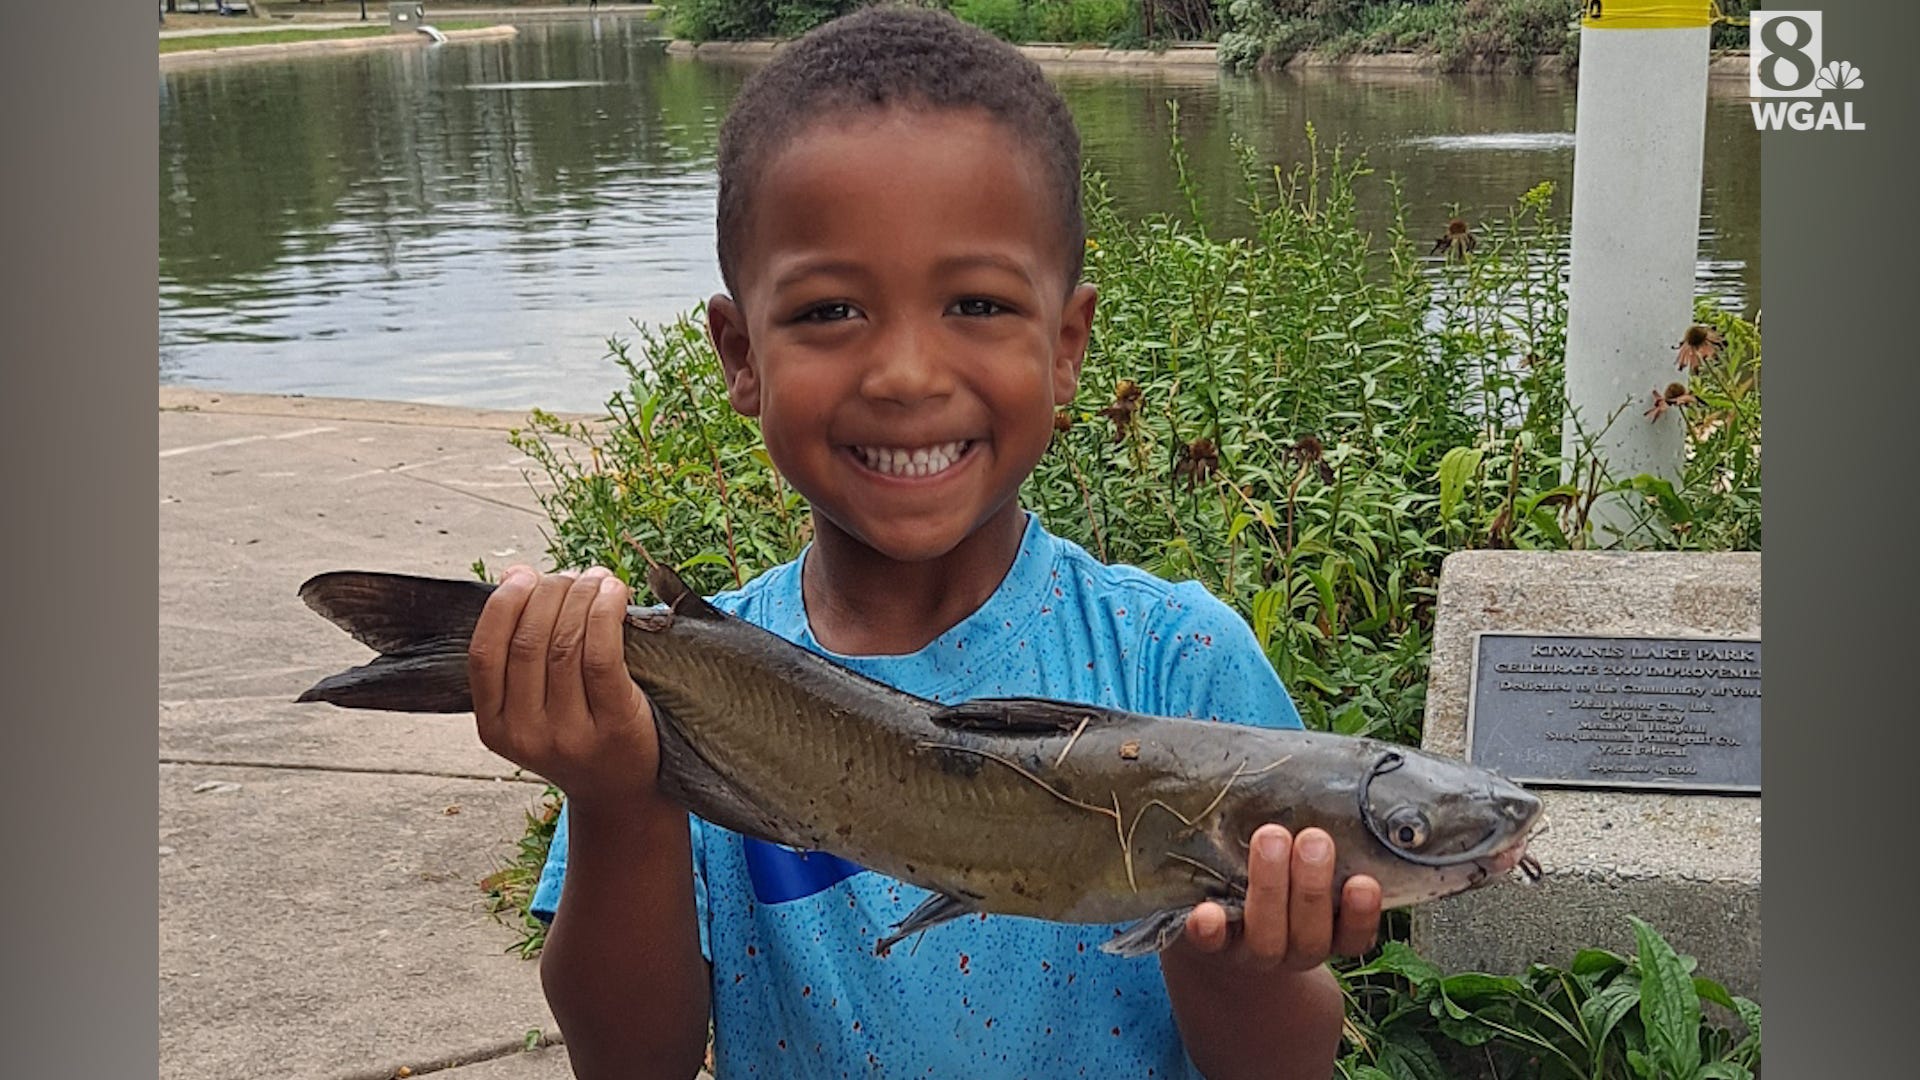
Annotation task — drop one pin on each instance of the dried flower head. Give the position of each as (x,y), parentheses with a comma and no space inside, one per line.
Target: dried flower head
(1196,461)
(1675,396)
(1457,241)
(1126,403)
(1062,419)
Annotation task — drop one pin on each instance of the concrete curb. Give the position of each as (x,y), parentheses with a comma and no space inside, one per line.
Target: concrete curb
(282,49)
(187,399)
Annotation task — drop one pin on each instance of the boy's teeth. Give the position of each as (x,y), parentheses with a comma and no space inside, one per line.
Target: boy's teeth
(921,461)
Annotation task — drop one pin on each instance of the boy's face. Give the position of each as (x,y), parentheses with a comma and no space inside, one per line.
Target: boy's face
(903,327)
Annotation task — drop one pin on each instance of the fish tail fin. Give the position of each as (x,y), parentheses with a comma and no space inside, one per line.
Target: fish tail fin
(420,626)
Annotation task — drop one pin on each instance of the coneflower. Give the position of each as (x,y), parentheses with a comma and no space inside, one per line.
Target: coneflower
(1700,343)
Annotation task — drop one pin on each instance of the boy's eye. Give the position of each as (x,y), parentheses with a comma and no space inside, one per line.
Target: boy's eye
(975,307)
(827,313)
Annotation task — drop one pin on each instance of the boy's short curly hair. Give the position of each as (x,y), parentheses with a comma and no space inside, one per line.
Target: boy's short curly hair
(882,57)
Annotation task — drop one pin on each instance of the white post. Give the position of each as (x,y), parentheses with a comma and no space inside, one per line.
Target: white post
(1639,134)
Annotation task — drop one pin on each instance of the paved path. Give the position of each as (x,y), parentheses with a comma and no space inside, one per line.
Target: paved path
(319,913)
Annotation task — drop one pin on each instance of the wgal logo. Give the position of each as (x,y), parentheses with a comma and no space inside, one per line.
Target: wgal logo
(1785,56)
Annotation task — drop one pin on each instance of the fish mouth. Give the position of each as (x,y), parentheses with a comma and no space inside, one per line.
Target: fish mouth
(920,462)
(1512,857)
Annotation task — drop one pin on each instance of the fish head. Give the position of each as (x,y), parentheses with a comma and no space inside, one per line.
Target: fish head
(1430,826)
(1423,826)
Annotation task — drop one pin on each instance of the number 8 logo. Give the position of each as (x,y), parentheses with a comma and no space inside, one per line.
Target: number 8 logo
(1785,43)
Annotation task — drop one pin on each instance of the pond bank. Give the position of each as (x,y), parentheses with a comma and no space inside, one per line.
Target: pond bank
(275,50)
(1204,56)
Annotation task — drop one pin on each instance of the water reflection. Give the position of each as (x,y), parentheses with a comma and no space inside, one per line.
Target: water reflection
(467,224)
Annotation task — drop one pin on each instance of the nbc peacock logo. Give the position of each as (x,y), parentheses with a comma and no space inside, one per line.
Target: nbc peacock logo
(1792,88)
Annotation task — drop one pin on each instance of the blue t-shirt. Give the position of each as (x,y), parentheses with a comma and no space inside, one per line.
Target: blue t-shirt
(797,989)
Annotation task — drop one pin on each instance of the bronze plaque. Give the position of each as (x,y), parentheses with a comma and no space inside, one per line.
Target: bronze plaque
(1668,713)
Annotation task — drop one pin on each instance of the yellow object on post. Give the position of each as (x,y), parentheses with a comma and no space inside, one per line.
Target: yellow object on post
(1646,14)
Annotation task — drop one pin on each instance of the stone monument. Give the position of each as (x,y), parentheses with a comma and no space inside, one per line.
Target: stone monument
(1623,688)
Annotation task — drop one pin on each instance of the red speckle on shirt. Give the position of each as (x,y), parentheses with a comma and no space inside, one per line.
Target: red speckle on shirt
(1082,946)
(1116,1032)
(1057,592)
(783,1044)
(1121,612)
(806,991)
(1044,966)
(989,1021)
(856,1025)
(964,961)
(751,951)
(738,979)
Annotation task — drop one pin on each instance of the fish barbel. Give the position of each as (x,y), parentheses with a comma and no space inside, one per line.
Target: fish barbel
(1011,806)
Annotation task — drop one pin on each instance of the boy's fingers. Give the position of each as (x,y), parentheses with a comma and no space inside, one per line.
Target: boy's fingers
(1206,929)
(603,667)
(1268,883)
(526,693)
(1359,916)
(565,695)
(487,652)
(1310,900)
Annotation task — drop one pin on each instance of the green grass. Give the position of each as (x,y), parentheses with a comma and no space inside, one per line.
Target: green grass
(202,42)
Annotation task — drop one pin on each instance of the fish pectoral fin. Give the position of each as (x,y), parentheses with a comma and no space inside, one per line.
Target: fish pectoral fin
(1017,716)
(1159,930)
(932,911)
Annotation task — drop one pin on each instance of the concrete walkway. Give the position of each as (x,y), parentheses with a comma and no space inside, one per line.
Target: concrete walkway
(319,912)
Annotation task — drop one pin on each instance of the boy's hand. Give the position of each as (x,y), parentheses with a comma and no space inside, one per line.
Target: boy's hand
(1257,1000)
(551,692)
(1290,923)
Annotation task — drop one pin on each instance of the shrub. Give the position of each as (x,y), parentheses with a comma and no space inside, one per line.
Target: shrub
(1009,20)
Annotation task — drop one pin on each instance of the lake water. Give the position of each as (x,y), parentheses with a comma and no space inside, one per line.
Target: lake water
(468,224)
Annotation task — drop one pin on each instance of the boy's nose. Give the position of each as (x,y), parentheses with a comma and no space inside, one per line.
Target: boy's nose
(906,368)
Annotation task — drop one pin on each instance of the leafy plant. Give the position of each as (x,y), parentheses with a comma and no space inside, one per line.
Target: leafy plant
(1605,1017)
(510,889)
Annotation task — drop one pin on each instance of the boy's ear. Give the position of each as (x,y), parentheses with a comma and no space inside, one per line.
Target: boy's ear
(1070,351)
(727,326)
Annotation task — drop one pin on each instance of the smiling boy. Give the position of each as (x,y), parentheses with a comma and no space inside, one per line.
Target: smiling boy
(900,234)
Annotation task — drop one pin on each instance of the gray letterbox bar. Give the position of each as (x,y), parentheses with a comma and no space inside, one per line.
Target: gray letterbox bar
(1666,713)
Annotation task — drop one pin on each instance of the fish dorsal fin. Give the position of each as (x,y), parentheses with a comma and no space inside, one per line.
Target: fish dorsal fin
(1019,716)
(674,593)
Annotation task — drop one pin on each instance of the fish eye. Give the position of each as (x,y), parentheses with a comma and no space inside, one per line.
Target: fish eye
(1407,827)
